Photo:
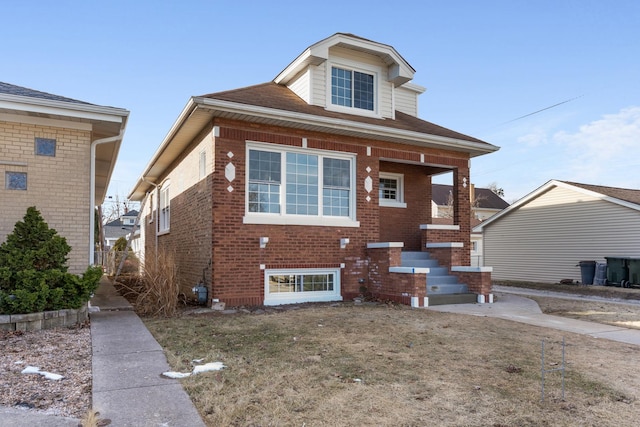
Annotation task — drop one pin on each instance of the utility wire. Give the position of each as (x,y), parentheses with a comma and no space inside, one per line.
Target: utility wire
(539,111)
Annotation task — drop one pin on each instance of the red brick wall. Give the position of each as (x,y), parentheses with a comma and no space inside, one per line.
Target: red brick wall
(462,215)
(233,247)
(397,287)
(478,282)
(403,224)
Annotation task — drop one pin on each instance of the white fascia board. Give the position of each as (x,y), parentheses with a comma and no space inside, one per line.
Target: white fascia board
(408,137)
(308,57)
(60,108)
(184,115)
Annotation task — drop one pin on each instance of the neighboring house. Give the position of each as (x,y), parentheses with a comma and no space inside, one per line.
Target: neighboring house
(308,187)
(56,154)
(484,204)
(543,236)
(117,228)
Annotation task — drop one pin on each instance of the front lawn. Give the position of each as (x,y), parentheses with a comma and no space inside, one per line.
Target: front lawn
(386,365)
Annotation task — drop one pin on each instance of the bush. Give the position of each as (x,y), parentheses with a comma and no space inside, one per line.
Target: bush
(33,270)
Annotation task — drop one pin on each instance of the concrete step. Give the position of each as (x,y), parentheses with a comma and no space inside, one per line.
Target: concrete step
(446,288)
(462,298)
(441,280)
(414,255)
(429,263)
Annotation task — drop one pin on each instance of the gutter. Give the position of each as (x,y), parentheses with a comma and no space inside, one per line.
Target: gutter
(92,189)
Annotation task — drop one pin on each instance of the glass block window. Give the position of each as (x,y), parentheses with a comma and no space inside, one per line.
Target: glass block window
(352,89)
(15,180)
(45,147)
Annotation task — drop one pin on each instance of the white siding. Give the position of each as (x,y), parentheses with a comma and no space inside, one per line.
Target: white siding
(318,82)
(543,240)
(300,85)
(406,101)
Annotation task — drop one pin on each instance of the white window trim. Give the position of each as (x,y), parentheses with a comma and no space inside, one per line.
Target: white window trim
(298,297)
(202,164)
(399,202)
(284,219)
(164,219)
(363,68)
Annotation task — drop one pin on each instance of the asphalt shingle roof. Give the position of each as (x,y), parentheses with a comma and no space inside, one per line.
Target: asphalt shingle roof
(10,89)
(626,194)
(485,198)
(279,97)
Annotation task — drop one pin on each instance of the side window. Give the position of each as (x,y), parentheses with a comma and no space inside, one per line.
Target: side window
(15,181)
(45,147)
(391,190)
(164,219)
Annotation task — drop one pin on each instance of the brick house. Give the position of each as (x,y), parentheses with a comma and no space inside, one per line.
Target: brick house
(56,154)
(315,186)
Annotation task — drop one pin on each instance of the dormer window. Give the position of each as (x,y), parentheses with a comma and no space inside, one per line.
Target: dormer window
(352,89)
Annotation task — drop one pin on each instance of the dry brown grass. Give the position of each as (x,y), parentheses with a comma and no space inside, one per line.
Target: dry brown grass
(156,291)
(346,365)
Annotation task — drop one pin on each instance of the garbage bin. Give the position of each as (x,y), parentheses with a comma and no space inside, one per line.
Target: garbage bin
(634,271)
(617,271)
(601,274)
(587,272)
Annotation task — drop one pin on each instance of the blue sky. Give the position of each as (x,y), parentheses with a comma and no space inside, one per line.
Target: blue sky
(487,66)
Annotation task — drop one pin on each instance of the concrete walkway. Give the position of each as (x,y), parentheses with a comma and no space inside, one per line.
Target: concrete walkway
(512,304)
(128,388)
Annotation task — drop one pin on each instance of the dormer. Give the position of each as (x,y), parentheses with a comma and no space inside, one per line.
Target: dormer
(349,74)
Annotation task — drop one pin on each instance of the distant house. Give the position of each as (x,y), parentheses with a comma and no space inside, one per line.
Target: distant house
(484,202)
(543,236)
(120,227)
(314,186)
(56,154)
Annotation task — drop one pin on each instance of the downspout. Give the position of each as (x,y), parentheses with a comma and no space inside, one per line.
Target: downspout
(92,190)
(156,218)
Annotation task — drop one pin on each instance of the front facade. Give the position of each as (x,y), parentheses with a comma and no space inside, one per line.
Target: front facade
(306,188)
(56,154)
(543,236)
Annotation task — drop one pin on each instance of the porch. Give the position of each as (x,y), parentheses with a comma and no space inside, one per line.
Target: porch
(435,275)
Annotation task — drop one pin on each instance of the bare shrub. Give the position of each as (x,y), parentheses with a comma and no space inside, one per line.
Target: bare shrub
(158,294)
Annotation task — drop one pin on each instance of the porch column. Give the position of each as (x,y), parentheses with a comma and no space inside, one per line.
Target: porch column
(462,211)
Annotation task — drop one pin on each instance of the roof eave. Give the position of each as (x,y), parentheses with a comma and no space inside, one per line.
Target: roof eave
(216,107)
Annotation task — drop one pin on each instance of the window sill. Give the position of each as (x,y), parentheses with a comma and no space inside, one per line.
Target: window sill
(300,220)
(163,232)
(392,204)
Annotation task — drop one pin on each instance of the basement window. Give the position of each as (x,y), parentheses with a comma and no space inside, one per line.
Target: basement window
(301,285)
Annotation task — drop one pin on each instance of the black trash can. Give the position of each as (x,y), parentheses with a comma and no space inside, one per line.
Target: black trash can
(587,272)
